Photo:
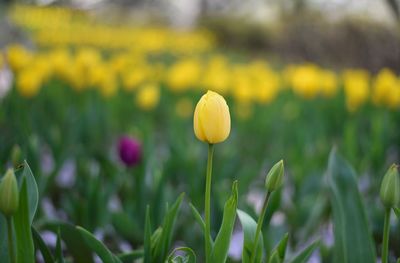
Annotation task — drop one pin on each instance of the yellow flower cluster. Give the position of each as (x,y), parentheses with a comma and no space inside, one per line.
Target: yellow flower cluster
(52,26)
(249,83)
(88,55)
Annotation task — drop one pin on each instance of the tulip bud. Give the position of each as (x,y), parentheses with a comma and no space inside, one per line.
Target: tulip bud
(212,121)
(129,150)
(9,195)
(390,187)
(275,177)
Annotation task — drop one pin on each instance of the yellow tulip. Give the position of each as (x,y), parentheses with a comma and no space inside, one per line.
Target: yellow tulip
(148,97)
(212,121)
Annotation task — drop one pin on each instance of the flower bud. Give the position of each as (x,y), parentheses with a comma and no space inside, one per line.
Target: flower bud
(129,150)
(9,195)
(274,178)
(212,121)
(390,187)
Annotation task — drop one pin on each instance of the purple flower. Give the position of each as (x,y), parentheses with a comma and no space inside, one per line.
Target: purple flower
(129,150)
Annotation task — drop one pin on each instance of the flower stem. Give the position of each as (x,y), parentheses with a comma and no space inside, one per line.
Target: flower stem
(385,246)
(207,233)
(259,226)
(10,240)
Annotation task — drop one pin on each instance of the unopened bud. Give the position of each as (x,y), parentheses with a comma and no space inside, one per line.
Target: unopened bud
(274,178)
(390,187)
(9,195)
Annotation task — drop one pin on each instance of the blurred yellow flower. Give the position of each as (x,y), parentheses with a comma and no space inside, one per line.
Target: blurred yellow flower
(356,88)
(18,57)
(132,78)
(148,96)
(305,81)
(184,74)
(217,75)
(212,121)
(29,82)
(386,89)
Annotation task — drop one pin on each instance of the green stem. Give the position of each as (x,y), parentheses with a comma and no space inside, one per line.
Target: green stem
(207,233)
(259,226)
(10,240)
(385,246)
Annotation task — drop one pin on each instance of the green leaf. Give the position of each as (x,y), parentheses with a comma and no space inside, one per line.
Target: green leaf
(249,227)
(147,237)
(33,197)
(280,249)
(200,221)
(189,257)
(3,240)
(33,194)
(22,225)
(397,211)
(131,256)
(353,242)
(127,227)
(274,258)
(164,244)
(59,253)
(198,217)
(220,249)
(74,241)
(305,254)
(99,248)
(41,245)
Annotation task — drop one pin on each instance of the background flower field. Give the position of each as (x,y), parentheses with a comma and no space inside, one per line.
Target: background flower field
(74,84)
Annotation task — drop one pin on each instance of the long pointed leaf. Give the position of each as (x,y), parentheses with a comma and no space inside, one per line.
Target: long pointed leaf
(99,248)
(397,212)
(305,254)
(280,249)
(163,246)
(353,242)
(77,247)
(22,225)
(59,253)
(41,245)
(32,189)
(221,246)
(198,217)
(249,227)
(147,237)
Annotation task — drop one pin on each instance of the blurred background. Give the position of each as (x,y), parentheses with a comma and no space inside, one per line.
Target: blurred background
(78,79)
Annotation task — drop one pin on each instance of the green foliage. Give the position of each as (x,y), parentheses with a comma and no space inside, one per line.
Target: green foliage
(41,246)
(305,254)
(353,242)
(221,245)
(278,253)
(59,253)
(74,240)
(397,211)
(147,237)
(249,227)
(164,242)
(22,226)
(99,248)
